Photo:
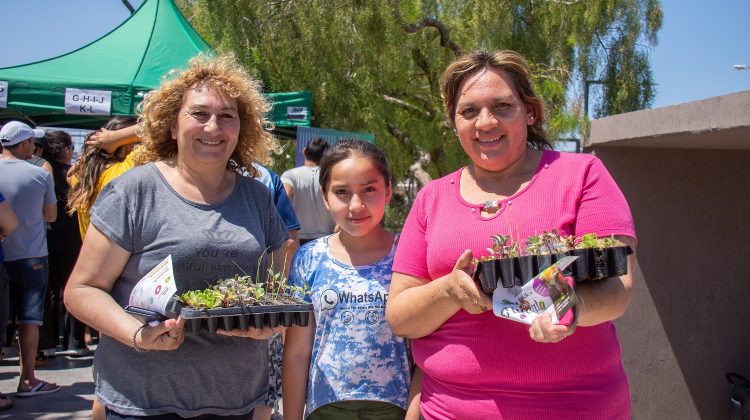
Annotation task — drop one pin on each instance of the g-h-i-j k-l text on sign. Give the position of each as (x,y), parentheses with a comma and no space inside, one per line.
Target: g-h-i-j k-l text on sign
(87,101)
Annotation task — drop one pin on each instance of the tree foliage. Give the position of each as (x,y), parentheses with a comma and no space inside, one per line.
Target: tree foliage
(375,65)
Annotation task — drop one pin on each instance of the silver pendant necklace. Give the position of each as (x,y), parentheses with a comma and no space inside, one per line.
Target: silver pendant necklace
(491,205)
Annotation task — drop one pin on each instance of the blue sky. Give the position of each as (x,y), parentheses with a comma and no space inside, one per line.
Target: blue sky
(699,42)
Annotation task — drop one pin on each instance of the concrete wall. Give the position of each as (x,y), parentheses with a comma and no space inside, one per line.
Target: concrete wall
(688,322)
(714,123)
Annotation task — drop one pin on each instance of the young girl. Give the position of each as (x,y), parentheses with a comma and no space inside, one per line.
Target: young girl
(106,155)
(347,363)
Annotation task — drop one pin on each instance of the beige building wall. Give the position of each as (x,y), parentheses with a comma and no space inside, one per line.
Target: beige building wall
(688,186)
(688,322)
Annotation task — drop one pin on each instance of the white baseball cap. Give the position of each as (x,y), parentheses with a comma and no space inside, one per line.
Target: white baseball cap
(15,132)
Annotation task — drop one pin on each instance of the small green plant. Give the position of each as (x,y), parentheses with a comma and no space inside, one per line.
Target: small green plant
(202,299)
(611,242)
(535,245)
(568,242)
(554,242)
(548,243)
(502,247)
(588,240)
(545,244)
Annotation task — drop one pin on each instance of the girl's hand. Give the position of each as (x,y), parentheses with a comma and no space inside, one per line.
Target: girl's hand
(255,333)
(103,140)
(544,331)
(465,290)
(168,335)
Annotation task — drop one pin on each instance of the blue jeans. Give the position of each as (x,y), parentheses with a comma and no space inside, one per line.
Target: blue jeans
(28,286)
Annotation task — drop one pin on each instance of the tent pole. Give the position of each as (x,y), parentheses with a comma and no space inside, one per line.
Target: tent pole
(129,6)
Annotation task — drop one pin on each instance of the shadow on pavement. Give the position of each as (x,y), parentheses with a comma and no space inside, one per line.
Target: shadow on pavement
(66,362)
(71,402)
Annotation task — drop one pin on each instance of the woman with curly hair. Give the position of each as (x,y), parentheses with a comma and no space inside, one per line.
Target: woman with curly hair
(186,200)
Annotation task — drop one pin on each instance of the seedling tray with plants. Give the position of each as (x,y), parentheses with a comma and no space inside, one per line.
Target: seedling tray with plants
(243,317)
(508,266)
(239,302)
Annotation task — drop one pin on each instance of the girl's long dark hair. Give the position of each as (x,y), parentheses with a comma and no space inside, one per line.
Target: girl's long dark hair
(90,166)
(345,149)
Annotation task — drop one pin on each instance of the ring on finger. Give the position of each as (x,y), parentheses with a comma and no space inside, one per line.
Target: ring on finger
(169,334)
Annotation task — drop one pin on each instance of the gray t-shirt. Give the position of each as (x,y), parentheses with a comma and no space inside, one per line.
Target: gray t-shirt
(209,373)
(307,201)
(28,189)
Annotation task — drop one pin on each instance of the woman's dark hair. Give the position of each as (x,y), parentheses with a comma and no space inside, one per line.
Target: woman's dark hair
(116,123)
(315,149)
(55,143)
(90,166)
(345,149)
(509,63)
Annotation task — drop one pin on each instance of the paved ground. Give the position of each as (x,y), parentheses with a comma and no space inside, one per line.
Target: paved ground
(73,401)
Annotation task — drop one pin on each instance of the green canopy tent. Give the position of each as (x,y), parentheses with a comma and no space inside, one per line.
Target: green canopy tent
(110,76)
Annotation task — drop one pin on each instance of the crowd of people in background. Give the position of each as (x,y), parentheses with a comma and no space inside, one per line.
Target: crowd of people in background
(85,233)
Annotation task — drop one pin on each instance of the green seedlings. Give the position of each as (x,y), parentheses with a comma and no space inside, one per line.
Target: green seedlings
(243,290)
(590,240)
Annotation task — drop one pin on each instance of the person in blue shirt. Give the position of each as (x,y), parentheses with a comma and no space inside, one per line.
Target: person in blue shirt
(275,345)
(347,362)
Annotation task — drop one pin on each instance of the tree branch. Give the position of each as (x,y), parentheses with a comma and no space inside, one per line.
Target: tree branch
(424,65)
(445,40)
(401,137)
(409,107)
(424,102)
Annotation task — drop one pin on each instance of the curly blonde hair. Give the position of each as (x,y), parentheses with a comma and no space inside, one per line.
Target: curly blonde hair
(160,109)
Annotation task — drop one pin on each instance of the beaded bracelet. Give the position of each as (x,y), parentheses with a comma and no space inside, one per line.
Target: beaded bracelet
(135,334)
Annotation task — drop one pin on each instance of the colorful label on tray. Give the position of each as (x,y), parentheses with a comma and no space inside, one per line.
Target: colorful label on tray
(548,292)
(155,289)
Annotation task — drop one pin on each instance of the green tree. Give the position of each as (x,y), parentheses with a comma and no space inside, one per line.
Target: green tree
(375,65)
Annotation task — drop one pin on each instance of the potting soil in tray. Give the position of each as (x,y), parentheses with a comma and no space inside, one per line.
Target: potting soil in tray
(592,264)
(243,317)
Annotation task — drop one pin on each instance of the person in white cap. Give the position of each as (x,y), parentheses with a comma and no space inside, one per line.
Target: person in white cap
(31,195)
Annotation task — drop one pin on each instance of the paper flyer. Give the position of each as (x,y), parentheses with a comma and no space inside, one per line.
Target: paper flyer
(548,292)
(154,290)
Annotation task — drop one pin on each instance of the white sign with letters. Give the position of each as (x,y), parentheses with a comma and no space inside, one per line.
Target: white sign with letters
(3,94)
(296,112)
(87,101)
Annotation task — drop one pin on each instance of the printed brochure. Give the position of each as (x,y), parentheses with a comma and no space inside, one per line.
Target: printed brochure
(154,291)
(548,292)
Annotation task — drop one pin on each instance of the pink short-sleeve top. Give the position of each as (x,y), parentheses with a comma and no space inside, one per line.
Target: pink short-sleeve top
(481,366)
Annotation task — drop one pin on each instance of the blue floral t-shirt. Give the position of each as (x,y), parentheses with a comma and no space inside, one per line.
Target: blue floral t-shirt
(355,355)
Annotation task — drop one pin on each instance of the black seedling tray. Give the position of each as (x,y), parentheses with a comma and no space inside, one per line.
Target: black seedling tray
(592,264)
(247,316)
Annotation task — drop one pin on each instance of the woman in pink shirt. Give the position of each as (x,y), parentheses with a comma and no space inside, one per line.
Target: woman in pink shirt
(476,365)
